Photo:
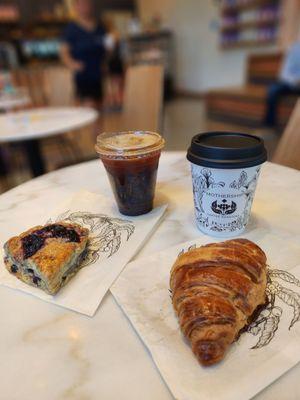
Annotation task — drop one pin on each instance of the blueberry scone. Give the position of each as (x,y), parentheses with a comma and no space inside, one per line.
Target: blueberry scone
(47,256)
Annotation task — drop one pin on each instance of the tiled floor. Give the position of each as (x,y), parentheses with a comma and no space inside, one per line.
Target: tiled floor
(183,118)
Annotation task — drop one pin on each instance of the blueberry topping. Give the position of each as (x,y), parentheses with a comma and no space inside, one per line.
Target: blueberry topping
(72,236)
(14,269)
(30,271)
(36,240)
(59,231)
(31,244)
(36,280)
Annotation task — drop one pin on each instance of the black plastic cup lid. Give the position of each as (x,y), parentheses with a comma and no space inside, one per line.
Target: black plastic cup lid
(227,150)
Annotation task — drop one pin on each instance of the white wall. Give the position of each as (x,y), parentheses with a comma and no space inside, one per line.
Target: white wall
(200,63)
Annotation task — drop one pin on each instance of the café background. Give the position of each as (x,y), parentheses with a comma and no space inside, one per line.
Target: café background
(199,57)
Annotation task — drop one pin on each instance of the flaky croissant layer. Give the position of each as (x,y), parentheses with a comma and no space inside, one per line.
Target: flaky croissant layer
(215,290)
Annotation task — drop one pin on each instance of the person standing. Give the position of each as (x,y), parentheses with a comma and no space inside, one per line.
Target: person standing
(115,81)
(288,83)
(83,52)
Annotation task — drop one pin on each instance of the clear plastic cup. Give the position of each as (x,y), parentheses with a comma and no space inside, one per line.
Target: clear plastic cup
(131,160)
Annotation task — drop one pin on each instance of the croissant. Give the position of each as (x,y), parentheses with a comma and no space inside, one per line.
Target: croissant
(216,291)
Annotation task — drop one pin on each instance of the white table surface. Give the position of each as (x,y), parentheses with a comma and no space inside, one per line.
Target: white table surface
(44,122)
(50,353)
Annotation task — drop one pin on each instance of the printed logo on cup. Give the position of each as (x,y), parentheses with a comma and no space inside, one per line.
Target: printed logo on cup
(224,207)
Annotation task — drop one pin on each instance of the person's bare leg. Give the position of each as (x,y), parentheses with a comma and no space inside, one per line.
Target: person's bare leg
(91,103)
(85,139)
(109,101)
(98,106)
(120,90)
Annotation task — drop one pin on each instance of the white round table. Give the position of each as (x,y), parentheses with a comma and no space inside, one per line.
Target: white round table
(32,125)
(51,353)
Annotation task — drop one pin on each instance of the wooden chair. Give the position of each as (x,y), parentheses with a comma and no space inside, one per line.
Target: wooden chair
(288,150)
(143,99)
(47,86)
(59,92)
(33,80)
(58,86)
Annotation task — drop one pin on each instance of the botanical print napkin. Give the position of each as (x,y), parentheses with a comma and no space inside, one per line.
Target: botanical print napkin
(115,239)
(269,348)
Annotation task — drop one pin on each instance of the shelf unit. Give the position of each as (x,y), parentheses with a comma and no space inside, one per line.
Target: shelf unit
(247,43)
(245,5)
(39,25)
(249,23)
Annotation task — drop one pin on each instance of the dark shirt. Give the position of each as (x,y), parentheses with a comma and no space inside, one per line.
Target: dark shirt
(86,47)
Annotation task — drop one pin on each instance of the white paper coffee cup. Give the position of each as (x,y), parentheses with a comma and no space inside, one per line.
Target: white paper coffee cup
(225,169)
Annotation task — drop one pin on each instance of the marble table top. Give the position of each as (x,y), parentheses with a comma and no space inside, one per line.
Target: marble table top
(51,353)
(44,122)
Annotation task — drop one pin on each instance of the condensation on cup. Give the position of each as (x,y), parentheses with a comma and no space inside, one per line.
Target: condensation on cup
(225,169)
